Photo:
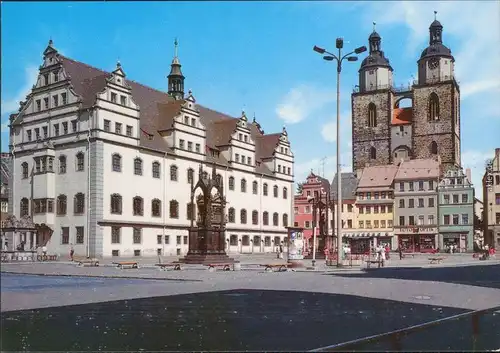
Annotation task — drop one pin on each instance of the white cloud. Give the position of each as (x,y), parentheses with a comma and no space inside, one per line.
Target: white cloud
(475,26)
(4,127)
(475,160)
(12,105)
(302,101)
(329,130)
(323,166)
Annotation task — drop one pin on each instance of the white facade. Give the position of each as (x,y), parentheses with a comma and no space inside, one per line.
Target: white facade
(101,156)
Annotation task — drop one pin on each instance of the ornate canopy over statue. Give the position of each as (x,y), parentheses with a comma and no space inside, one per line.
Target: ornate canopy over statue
(25,223)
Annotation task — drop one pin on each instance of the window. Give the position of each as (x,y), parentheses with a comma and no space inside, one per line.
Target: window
(411,187)
(265,218)
(185,240)
(264,189)
(372,115)
(446,199)
(45,132)
(55,100)
(243,216)
(156,208)
(61,205)
(369,224)
(24,207)
(375,209)
(279,168)
(401,220)
(79,235)
(65,235)
(255,188)
(349,208)
(243,185)
(46,79)
(37,134)
(80,162)
(275,191)
(285,220)
(79,206)
(137,235)
(434,147)
(56,129)
(159,239)
(115,253)
(497,179)
(382,209)
(115,235)
(116,162)
(411,220)
(431,202)
(46,103)
(156,170)
(285,193)
(465,198)
(455,219)
(116,204)
(190,146)
(497,198)
(173,173)
(433,107)
(64,98)
(197,148)
(275,219)
(255,217)
(123,100)
(129,130)
(361,224)
(465,219)
(193,122)
(65,127)
(420,185)
(56,76)
(446,219)
(118,128)
(167,239)
(24,167)
(74,125)
(431,185)
(421,203)
(401,186)
(178,240)
(361,209)
(231,183)
(373,153)
(401,203)
(107,125)
(38,105)
(455,198)
(113,97)
(190,176)
(411,203)
(138,206)
(245,240)
(190,211)
(375,224)
(368,209)
(137,166)
(231,215)
(174,209)
(430,219)
(421,220)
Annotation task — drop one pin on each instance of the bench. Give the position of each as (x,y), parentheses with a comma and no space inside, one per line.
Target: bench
(225,267)
(370,262)
(436,260)
(89,262)
(46,257)
(271,267)
(175,265)
(121,265)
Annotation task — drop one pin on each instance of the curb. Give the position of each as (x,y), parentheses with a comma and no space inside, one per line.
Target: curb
(101,276)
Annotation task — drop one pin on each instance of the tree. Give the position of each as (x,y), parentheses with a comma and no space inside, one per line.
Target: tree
(300,187)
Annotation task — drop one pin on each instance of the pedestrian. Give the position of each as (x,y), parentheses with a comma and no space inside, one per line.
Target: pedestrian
(387,251)
(400,250)
(71,252)
(281,251)
(44,250)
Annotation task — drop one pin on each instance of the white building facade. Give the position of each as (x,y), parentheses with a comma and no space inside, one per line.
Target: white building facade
(106,164)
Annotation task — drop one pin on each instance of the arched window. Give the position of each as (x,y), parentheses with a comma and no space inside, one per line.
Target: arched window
(190,215)
(231,215)
(233,240)
(80,162)
(285,193)
(275,190)
(264,189)
(243,216)
(138,206)
(116,162)
(231,183)
(256,240)
(137,166)
(265,218)
(62,164)
(243,185)
(255,217)
(255,187)
(434,147)
(79,206)
(190,175)
(373,153)
(116,204)
(245,240)
(277,240)
(24,167)
(25,209)
(62,205)
(267,241)
(156,170)
(156,208)
(285,220)
(173,172)
(275,219)
(174,209)
(433,107)
(372,115)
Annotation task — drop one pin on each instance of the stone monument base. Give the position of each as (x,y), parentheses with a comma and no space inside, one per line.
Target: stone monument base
(206,259)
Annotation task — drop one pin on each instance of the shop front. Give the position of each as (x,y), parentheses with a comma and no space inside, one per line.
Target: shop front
(363,242)
(455,242)
(417,239)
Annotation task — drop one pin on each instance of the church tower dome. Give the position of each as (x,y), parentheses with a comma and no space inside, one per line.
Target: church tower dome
(176,78)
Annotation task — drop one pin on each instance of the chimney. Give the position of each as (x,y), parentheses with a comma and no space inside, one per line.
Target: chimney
(468,174)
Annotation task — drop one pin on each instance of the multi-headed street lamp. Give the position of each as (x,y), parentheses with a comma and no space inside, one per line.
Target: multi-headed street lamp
(339,59)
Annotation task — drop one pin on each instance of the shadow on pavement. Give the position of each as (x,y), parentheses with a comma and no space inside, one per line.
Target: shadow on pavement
(480,276)
(237,320)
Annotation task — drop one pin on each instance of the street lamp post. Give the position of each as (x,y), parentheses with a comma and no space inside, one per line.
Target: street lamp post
(313,201)
(339,44)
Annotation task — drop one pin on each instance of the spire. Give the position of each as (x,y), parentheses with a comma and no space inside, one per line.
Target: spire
(176,48)
(435,31)
(374,26)
(374,40)
(176,78)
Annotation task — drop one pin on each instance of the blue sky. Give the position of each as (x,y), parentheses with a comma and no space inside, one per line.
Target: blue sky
(258,56)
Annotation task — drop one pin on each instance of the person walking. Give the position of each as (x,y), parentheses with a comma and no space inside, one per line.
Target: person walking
(72,253)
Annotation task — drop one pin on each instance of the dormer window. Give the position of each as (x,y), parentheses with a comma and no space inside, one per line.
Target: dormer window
(56,101)
(193,122)
(286,150)
(113,97)
(279,169)
(240,137)
(56,76)
(46,103)
(64,98)
(118,128)
(237,158)
(38,105)
(46,79)
(123,100)
(243,159)
(186,120)
(249,161)
(37,133)
(246,138)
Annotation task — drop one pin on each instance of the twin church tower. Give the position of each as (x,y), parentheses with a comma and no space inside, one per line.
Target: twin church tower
(385,133)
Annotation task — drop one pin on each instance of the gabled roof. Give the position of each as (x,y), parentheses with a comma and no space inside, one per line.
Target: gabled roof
(348,185)
(402,116)
(378,176)
(418,168)
(157,110)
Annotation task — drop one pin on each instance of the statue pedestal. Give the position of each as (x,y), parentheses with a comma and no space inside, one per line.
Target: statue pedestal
(206,246)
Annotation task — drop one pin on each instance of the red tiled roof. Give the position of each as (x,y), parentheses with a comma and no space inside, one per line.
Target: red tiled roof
(157,110)
(378,176)
(418,168)
(401,116)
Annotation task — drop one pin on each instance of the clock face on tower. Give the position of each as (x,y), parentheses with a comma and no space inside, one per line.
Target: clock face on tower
(433,63)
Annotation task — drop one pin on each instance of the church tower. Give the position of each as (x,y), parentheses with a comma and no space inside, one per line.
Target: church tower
(436,103)
(176,78)
(372,109)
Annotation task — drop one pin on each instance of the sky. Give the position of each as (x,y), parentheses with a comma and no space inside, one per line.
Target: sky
(258,57)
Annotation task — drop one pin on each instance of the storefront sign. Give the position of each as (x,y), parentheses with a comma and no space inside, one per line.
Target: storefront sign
(419,230)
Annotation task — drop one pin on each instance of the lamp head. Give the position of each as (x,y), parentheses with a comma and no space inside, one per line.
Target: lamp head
(328,58)
(319,50)
(360,50)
